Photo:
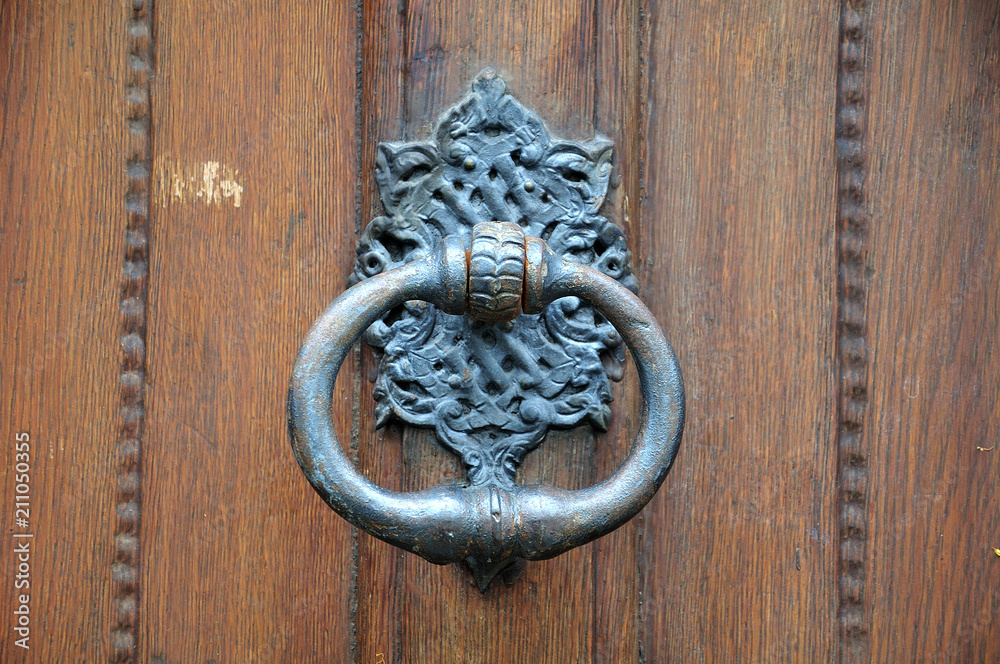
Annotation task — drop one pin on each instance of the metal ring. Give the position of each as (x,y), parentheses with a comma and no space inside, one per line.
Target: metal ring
(488,525)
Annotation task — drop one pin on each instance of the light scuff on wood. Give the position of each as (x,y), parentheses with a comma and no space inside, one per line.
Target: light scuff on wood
(211,182)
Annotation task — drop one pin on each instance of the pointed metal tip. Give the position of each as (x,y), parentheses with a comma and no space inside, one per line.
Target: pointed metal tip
(485,571)
(490,84)
(487,73)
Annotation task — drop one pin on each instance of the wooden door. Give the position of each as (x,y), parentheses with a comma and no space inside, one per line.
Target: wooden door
(811,193)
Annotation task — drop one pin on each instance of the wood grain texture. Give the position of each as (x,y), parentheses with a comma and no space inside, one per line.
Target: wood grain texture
(380,456)
(812,197)
(738,213)
(62,129)
(617,114)
(934,311)
(254,127)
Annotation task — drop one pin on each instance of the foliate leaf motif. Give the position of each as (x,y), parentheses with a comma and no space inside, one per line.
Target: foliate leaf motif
(491,392)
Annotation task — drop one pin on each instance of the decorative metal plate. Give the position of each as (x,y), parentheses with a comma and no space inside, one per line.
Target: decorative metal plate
(492,391)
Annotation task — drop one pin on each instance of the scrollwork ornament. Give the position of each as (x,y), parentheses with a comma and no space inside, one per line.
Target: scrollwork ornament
(492,390)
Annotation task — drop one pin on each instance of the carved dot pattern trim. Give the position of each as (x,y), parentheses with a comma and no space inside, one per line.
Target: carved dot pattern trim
(853,223)
(132,305)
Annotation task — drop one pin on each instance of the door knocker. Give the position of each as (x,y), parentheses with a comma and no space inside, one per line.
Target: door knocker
(510,298)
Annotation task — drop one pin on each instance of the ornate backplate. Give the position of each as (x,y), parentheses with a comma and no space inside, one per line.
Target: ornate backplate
(492,392)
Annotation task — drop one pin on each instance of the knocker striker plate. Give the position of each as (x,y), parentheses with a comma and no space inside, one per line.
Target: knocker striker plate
(492,383)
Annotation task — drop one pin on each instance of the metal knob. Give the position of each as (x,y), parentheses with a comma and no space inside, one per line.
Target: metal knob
(489,523)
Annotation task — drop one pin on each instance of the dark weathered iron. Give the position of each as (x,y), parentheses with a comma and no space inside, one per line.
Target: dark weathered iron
(491,384)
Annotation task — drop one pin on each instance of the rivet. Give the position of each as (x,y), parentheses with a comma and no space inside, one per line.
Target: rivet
(470,163)
(529,185)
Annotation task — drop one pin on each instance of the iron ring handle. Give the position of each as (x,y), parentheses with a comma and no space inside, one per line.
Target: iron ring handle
(450,523)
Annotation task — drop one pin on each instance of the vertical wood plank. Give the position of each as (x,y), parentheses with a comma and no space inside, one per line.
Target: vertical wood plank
(253,229)
(548,56)
(545,51)
(379,453)
(62,233)
(934,311)
(617,108)
(738,212)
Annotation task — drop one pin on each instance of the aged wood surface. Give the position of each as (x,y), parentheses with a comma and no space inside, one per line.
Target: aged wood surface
(62,130)
(617,114)
(736,227)
(253,229)
(934,312)
(418,59)
(375,605)
(812,198)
